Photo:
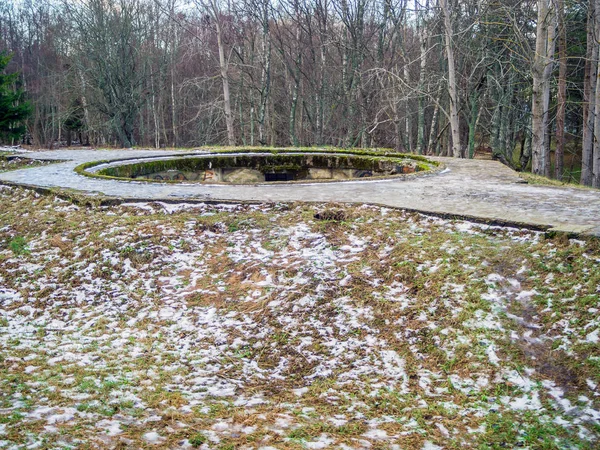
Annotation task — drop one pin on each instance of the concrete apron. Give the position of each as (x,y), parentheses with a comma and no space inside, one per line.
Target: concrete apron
(485,191)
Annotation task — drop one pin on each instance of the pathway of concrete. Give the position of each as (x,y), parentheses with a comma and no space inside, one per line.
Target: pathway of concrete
(482,190)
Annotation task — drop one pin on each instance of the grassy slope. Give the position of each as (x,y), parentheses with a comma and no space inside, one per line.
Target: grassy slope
(537,179)
(17,163)
(241,327)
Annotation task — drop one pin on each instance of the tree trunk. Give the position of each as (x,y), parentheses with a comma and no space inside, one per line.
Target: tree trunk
(252,113)
(551,46)
(452,89)
(265,73)
(322,19)
(505,140)
(526,150)
(589,89)
(175,141)
(363,114)
(596,152)
(346,90)
(407,111)
(432,142)
(173,36)
(296,88)
(84,105)
(399,144)
(155,119)
(473,123)
(223,65)
(240,109)
(421,105)
(541,87)
(321,95)
(562,92)
(293,109)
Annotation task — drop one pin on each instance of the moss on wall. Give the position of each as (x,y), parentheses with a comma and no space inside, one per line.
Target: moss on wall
(275,162)
(381,162)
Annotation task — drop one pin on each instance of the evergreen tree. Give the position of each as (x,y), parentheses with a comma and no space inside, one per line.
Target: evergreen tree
(13,108)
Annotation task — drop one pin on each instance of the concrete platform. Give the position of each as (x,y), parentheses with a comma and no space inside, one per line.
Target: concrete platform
(476,189)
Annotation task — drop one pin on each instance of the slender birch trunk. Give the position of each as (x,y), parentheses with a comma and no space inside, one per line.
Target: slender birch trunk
(296,88)
(551,46)
(223,65)
(452,89)
(322,18)
(173,54)
(155,120)
(589,88)
(212,8)
(240,109)
(540,87)
(562,92)
(421,94)
(431,142)
(346,92)
(265,73)
(84,104)
(321,94)
(407,111)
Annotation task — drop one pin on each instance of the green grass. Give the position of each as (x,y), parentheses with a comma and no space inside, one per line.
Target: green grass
(544,181)
(197,440)
(18,245)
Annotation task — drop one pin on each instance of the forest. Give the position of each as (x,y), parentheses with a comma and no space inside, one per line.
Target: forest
(517,78)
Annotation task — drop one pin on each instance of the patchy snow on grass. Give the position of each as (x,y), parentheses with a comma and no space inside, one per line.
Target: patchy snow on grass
(178,325)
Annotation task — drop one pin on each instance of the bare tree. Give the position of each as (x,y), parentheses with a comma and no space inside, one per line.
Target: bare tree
(589,89)
(452,88)
(212,8)
(423,31)
(306,72)
(541,71)
(111,32)
(562,92)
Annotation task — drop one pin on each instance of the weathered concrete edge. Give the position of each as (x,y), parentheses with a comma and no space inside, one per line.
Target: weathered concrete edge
(29,158)
(93,198)
(436,167)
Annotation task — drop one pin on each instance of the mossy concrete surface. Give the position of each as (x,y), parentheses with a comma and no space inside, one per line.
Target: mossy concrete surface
(250,166)
(475,189)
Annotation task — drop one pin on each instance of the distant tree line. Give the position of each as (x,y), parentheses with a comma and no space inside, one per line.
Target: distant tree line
(449,77)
